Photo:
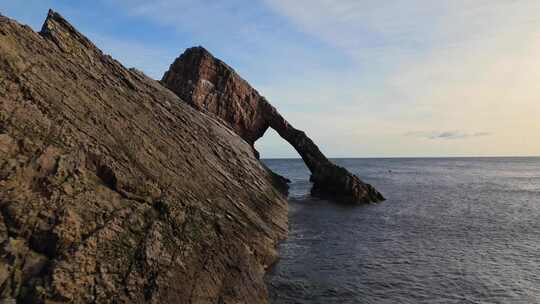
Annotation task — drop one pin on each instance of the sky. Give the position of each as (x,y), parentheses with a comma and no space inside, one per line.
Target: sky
(363,78)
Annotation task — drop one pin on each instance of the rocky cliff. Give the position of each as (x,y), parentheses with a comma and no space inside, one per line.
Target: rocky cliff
(211,86)
(114,190)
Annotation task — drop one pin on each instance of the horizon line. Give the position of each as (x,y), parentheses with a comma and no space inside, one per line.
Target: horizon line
(404,157)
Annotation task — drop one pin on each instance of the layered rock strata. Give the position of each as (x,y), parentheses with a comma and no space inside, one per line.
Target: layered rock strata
(211,86)
(114,190)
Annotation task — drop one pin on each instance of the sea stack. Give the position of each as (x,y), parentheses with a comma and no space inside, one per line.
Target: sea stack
(211,86)
(114,190)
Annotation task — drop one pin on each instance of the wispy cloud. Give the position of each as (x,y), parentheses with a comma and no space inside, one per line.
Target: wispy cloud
(246,34)
(446,134)
(427,65)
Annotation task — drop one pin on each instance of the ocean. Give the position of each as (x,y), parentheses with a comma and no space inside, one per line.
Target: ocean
(452,230)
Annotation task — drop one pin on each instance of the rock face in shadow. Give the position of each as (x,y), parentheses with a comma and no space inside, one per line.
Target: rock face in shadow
(114,190)
(211,86)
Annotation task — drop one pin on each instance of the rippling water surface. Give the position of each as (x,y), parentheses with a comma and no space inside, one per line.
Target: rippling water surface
(451,231)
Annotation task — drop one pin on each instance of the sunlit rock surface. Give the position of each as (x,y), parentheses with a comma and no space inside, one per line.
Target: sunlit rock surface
(211,86)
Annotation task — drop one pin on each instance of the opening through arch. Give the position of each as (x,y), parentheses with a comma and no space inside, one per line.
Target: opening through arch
(281,158)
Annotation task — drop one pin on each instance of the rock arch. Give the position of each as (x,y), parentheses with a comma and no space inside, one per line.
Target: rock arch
(211,86)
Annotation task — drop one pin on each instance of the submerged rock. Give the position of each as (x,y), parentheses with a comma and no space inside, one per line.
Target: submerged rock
(114,190)
(211,86)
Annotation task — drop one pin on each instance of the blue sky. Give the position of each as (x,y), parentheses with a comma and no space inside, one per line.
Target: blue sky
(363,78)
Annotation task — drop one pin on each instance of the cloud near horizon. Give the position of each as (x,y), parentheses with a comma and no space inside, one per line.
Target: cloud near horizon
(447,134)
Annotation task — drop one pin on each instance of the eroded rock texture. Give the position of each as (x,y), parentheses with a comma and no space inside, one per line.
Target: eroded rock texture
(113,190)
(211,86)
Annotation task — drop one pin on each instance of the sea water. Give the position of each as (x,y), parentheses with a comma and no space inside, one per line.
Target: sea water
(455,230)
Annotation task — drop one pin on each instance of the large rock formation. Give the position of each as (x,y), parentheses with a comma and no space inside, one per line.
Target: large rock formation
(113,190)
(211,86)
